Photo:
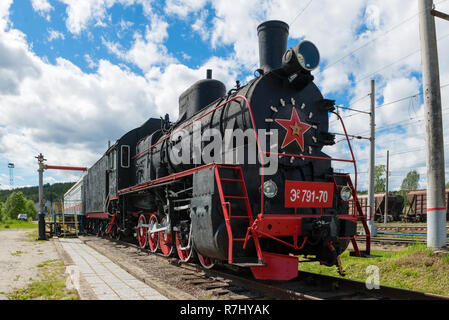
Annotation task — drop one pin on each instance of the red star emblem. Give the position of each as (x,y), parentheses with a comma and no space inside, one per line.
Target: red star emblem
(295,130)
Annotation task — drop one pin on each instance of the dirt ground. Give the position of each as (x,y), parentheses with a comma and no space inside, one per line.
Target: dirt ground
(19,256)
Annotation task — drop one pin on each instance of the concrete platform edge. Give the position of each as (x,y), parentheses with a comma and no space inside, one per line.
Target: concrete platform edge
(85,292)
(169,291)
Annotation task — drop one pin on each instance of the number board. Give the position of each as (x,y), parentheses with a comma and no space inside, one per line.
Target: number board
(304,194)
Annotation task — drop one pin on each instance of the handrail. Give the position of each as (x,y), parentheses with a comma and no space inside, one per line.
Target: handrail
(350,149)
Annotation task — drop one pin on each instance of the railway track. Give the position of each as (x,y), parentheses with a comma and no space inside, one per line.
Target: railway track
(395,241)
(231,283)
(402,228)
(398,235)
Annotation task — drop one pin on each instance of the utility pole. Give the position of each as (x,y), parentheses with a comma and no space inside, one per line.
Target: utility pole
(41,219)
(372,209)
(386,188)
(436,211)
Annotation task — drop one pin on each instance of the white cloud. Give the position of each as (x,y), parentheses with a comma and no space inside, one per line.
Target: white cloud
(182,8)
(147,50)
(372,17)
(185,56)
(4,13)
(54,34)
(124,26)
(79,112)
(82,13)
(43,7)
(200,25)
(90,63)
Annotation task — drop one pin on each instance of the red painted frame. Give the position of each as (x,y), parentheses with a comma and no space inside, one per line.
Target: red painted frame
(97,215)
(65,168)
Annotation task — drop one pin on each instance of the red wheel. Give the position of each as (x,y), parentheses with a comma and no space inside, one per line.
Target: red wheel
(206,262)
(142,231)
(165,239)
(184,254)
(153,237)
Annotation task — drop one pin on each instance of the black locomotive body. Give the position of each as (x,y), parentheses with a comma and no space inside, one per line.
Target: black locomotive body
(172,187)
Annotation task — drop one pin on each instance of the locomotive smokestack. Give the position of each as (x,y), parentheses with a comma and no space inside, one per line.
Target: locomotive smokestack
(273,37)
(209,74)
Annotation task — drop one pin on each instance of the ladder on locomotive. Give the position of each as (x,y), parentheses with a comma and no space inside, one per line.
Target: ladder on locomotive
(358,212)
(231,178)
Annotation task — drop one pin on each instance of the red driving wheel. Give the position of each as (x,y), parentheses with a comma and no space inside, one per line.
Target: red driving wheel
(206,262)
(142,231)
(165,240)
(184,254)
(153,237)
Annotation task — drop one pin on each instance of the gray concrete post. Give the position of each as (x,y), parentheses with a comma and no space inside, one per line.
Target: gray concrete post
(436,213)
(371,209)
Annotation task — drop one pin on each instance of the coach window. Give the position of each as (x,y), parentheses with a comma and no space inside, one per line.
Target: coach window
(125,156)
(112,158)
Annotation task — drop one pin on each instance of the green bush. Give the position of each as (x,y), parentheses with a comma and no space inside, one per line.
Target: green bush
(17,203)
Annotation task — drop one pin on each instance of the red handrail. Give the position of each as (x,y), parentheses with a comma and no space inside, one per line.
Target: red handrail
(47,166)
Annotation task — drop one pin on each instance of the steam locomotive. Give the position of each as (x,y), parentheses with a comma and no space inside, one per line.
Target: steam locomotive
(240,178)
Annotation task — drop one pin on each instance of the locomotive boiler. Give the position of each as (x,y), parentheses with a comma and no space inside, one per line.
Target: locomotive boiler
(240,178)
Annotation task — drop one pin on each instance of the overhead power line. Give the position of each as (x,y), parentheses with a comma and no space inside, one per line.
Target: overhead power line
(301,12)
(388,103)
(373,40)
(395,62)
(401,123)
(408,97)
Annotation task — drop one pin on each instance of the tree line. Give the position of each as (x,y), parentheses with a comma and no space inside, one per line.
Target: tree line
(22,200)
(409,183)
(15,204)
(52,192)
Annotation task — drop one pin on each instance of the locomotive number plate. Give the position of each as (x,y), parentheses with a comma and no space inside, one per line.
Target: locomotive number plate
(304,194)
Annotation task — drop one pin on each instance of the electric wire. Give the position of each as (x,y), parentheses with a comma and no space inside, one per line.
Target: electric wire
(301,12)
(373,40)
(388,103)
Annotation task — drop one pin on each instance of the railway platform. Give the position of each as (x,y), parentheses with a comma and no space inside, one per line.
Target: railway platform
(96,277)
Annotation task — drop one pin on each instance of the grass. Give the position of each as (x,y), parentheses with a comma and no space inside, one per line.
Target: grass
(33,236)
(17,224)
(50,285)
(415,268)
(17,253)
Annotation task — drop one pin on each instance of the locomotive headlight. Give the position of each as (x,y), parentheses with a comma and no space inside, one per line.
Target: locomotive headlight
(345,193)
(304,56)
(270,189)
(308,55)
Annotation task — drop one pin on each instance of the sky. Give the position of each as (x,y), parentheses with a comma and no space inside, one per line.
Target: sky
(77,73)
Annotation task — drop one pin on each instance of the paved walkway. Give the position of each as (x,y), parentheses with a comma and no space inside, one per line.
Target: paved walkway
(107,280)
